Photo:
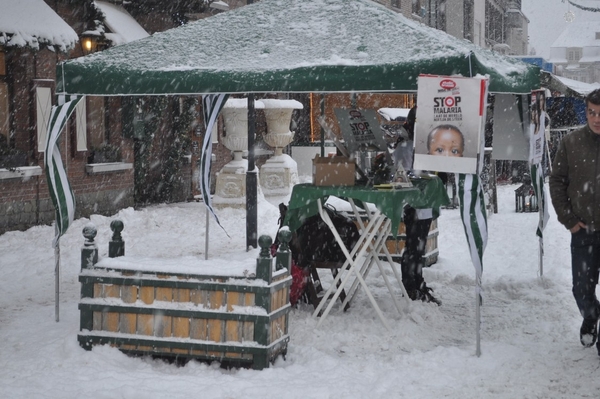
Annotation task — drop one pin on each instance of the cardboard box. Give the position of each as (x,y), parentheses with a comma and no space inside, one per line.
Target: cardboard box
(333,171)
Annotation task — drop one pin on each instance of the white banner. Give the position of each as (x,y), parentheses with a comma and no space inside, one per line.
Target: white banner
(537,127)
(511,127)
(450,123)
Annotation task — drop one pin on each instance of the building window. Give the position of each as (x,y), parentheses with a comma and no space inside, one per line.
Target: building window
(573,54)
(10,157)
(98,132)
(494,24)
(597,35)
(396,3)
(436,14)
(468,17)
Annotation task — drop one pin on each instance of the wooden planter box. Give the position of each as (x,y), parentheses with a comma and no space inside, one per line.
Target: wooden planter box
(237,320)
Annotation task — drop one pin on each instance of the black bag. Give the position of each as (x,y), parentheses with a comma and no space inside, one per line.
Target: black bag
(317,243)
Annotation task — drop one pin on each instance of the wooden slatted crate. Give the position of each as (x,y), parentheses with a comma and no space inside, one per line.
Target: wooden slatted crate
(237,320)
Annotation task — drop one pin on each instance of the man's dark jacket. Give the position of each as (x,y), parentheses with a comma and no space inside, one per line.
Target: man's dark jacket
(575,179)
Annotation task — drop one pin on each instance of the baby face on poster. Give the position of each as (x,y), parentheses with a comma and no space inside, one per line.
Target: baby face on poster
(449,123)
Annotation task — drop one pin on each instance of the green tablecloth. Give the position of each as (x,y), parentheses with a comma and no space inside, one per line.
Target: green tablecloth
(427,192)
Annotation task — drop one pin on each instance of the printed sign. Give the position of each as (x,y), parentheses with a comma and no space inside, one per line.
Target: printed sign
(449,124)
(537,127)
(360,129)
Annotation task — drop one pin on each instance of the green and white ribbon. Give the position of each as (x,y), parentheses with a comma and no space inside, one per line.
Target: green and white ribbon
(211,106)
(474,217)
(56,174)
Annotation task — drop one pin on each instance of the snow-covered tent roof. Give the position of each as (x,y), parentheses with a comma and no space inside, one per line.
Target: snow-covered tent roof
(123,27)
(291,46)
(580,87)
(566,86)
(33,23)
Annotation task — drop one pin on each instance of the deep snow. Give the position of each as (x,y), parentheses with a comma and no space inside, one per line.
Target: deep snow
(530,324)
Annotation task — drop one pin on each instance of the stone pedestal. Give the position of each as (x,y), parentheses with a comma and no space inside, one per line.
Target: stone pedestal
(230,189)
(280,173)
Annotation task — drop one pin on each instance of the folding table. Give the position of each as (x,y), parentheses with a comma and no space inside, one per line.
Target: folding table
(307,200)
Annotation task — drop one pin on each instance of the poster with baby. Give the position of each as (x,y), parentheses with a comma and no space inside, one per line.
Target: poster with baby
(450,123)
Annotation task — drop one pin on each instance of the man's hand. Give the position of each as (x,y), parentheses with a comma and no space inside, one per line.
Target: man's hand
(577,227)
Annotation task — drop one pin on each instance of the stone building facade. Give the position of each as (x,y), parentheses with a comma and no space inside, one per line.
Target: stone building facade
(496,24)
(576,52)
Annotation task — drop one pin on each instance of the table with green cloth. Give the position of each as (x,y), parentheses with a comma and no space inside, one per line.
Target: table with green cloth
(428,192)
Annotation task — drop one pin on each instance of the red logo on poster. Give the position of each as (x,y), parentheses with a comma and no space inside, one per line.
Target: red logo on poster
(447,84)
(355,114)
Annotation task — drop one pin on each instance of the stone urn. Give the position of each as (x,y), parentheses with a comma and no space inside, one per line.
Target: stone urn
(278,114)
(280,172)
(230,188)
(235,119)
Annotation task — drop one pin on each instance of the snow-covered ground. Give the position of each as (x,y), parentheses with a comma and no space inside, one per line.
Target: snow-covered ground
(529,337)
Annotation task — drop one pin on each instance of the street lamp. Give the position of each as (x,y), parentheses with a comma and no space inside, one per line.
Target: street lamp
(92,41)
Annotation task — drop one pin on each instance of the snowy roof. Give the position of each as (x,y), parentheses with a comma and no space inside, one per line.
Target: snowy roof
(33,23)
(296,46)
(579,34)
(123,26)
(579,87)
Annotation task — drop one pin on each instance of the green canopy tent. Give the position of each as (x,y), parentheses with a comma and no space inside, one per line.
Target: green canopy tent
(289,46)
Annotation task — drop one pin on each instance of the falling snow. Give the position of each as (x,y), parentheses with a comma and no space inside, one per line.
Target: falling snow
(529,337)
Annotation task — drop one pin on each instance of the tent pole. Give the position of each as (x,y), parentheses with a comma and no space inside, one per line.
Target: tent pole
(251,180)
(541,255)
(57,279)
(206,240)
(322,110)
(478,316)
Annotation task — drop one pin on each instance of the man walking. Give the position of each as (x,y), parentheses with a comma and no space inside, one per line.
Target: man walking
(575,191)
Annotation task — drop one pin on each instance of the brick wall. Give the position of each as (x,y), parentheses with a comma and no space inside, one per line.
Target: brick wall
(25,202)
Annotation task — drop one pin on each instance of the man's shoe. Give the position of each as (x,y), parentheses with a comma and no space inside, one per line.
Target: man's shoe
(412,294)
(426,296)
(423,294)
(588,332)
